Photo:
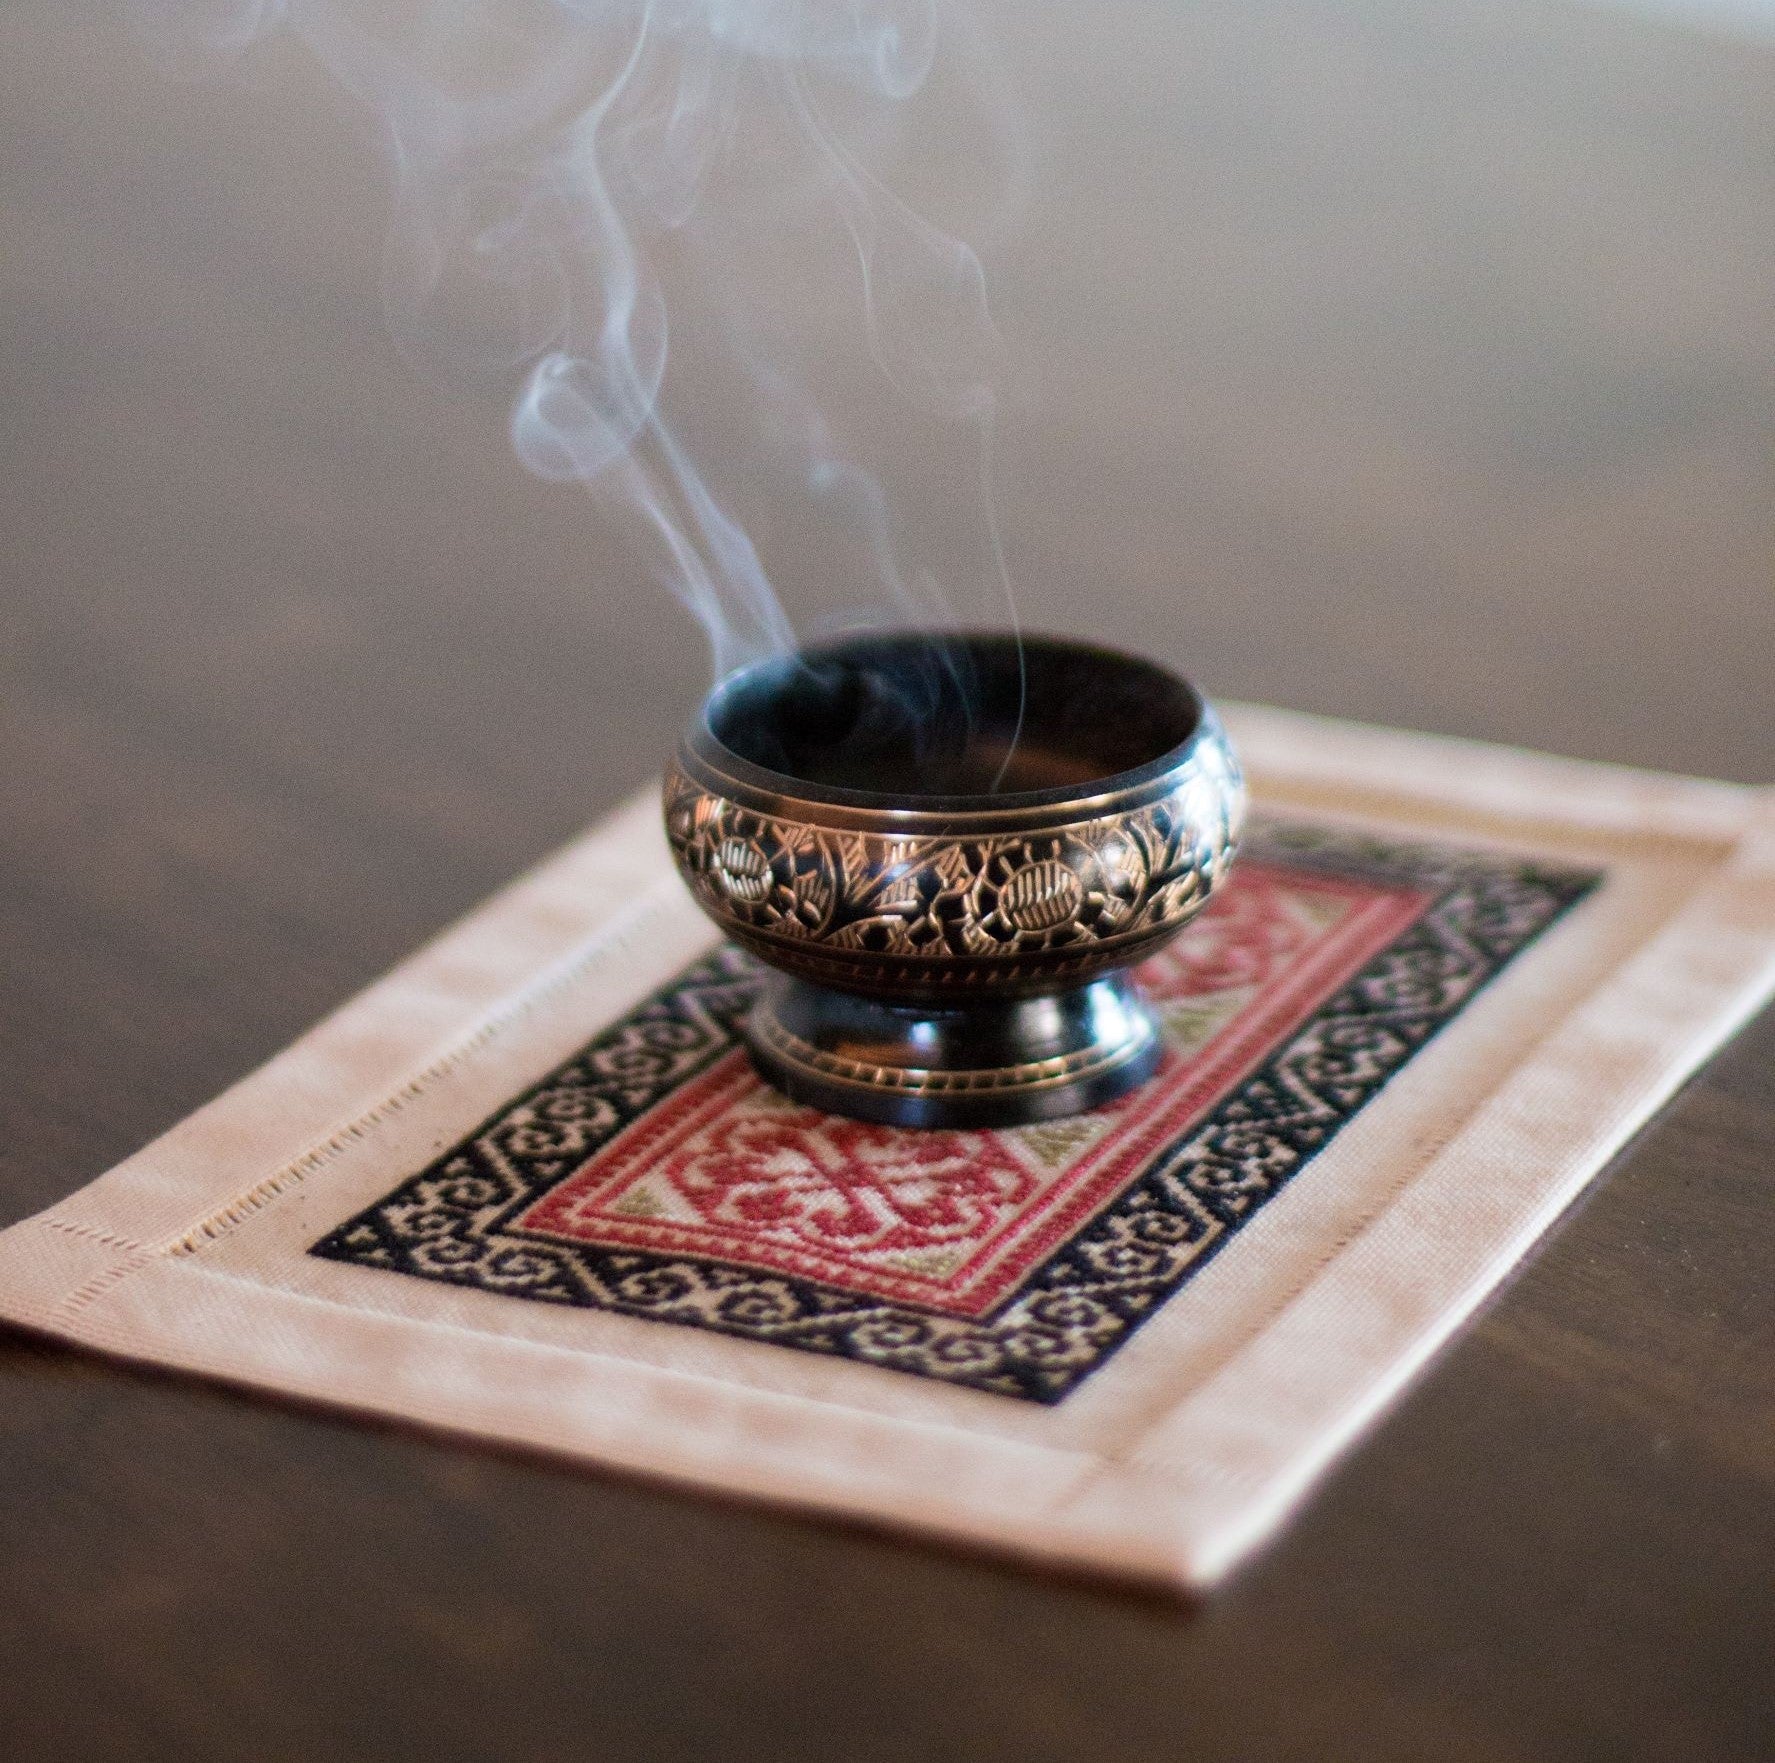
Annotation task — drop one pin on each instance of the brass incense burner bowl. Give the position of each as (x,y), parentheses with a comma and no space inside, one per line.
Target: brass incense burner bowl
(949,851)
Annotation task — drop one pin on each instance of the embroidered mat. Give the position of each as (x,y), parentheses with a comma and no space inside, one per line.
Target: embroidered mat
(528,1187)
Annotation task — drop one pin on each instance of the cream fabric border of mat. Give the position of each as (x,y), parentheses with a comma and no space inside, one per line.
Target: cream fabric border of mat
(1171,1462)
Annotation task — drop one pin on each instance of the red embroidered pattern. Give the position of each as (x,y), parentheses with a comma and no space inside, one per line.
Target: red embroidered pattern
(728,1169)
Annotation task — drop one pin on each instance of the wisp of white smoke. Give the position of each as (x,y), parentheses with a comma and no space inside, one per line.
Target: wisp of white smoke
(547,155)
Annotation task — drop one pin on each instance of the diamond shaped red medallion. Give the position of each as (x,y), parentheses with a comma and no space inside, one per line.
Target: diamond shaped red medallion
(727,1168)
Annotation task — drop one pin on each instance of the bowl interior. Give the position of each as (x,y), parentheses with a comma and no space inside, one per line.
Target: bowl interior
(908,717)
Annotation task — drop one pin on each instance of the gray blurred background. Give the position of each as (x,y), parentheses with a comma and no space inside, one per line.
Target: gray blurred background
(1407,362)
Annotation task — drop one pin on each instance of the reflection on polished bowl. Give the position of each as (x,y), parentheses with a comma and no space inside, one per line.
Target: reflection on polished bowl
(950,850)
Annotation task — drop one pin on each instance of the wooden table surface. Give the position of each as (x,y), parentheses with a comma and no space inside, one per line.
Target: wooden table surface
(1405,362)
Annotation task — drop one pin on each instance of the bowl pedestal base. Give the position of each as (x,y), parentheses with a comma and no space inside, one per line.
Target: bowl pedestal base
(989,1062)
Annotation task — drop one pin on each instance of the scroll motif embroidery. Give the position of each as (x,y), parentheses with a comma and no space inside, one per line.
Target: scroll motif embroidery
(654,1175)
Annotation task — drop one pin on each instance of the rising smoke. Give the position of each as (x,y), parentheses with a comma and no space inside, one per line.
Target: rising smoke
(558,164)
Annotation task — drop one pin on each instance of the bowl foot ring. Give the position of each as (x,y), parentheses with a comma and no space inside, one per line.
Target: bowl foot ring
(999,1062)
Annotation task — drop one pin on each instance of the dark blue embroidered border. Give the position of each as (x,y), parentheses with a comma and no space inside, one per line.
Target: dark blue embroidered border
(450,1222)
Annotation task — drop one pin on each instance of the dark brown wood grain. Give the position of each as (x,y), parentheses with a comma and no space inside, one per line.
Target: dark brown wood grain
(1408,363)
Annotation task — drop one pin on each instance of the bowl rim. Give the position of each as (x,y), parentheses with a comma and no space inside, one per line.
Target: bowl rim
(701,743)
